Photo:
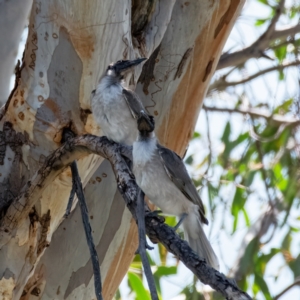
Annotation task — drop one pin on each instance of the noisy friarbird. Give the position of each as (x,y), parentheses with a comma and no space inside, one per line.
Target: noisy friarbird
(162,176)
(116,108)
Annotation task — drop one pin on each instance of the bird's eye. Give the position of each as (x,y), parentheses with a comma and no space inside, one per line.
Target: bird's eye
(120,61)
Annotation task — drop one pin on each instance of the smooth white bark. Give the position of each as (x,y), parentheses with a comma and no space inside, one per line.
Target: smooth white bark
(13,18)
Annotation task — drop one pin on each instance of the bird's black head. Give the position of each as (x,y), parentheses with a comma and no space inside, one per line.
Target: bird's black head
(145,123)
(119,68)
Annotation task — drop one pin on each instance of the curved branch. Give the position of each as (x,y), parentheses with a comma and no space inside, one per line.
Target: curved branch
(156,229)
(256,49)
(222,84)
(283,34)
(256,113)
(296,282)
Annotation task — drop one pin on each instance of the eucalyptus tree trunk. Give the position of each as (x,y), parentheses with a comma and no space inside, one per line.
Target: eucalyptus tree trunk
(70,42)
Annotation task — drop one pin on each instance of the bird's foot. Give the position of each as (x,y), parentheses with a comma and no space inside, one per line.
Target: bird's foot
(146,246)
(153,214)
(182,217)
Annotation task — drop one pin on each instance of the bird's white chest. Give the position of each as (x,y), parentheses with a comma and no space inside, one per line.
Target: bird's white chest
(112,114)
(143,152)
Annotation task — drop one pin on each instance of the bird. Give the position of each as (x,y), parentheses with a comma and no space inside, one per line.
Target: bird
(116,108)
(161,175)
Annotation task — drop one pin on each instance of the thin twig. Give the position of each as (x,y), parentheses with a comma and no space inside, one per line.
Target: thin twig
(87,230)
(271,28)
(143,244)
(222,84)
(296,282)
(256,113)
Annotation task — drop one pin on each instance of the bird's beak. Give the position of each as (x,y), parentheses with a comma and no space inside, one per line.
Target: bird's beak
(145,122)
(127,64)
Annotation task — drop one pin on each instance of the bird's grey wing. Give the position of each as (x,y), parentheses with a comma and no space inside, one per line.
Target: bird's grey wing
(133,102)
(177,172)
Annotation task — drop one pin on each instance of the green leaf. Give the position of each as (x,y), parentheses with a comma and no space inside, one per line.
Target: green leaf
(212,194)
(238,203)
(161,272)
(281,74)
(259,280)
(246,217)
(247,262)
(294,11)
(249,177)
(163,253)
(263,260)
(165,271)
(189,160)
(226,133)
(118,295)
(235,222)
(260,22)
(295,266)
(170,220)
(284,107)
(196,135)
(280,53)
(286,243)
(137,286)
(264,2)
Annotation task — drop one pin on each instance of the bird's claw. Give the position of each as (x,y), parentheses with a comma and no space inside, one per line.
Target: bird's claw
(154,214)
(147,247)
(183,216)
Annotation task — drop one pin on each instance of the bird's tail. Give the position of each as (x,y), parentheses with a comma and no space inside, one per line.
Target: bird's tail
(195,236)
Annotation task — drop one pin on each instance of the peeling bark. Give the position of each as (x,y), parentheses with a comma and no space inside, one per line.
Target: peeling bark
(69,44)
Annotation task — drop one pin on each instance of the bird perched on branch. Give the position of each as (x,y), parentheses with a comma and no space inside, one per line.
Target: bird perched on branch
(162,176)
(116,108)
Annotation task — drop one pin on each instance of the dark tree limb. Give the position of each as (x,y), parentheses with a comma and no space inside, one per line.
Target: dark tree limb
(155,228)
(257,49)
(87,229)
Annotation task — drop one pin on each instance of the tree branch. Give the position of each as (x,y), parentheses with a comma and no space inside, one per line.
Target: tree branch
(296,282)
(271,28)
(222,84)
(256,49)
(156,229)
(257,113)
(283,34)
